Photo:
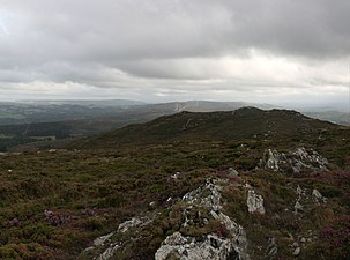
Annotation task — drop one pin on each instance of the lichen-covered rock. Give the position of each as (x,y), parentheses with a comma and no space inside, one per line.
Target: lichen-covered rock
(233,173)
(213,246)
(255,202)
(272,161)
(108,253)
(296,160)
(101,240)
(135,221)
(317,196)
(186,248)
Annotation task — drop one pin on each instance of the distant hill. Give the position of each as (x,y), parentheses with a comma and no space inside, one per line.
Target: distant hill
(247,122)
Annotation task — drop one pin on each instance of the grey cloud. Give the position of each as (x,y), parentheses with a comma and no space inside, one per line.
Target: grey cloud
(123,43)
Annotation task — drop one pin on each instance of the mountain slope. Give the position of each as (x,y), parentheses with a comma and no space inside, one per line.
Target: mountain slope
(247,122)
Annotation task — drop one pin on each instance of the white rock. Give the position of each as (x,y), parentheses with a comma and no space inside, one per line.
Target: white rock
(101,240)
(296,251)
(108,253)
(255,202)
(233,173)
(318,196)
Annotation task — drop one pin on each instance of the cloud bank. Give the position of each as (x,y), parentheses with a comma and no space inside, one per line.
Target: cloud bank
(162,50)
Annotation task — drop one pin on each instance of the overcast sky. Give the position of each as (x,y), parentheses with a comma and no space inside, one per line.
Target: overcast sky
(272,51)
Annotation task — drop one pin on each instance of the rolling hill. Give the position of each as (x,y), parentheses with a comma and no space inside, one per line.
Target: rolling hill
(246,122)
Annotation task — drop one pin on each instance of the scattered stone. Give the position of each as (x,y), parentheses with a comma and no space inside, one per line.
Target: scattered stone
(272,161)
(135,221)
(303,240)
(56,219)
(152,204)
(175,175)
(255,202)
(317,196)
(88,212)
(48,213)
(233,173)
(14,222)
(298,207)
(271,247)
(295,249)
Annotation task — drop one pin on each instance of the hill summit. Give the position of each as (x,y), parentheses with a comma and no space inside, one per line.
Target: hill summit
(246,122)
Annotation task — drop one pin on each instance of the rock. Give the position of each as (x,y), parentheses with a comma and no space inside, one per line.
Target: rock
(135,221)
(101,240)
(48,213)
(272,161)
(317,196)
(295,160)
(299,190)
(108,253)
(88,249)
(152,204)
(271,247)
(213,246)
(248,186)
(255,202)
(88,212)
(186,248)
(303,240)
(14,222)
(296,251)
(298,207)
(233,173)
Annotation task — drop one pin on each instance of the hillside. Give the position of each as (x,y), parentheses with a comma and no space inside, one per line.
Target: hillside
(244,123)
(249,184)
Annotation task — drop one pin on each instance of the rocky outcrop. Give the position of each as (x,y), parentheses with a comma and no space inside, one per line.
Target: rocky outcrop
(272,160)
(199,207)
(296,160)
(212,246)
(105,243)
(255,203)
